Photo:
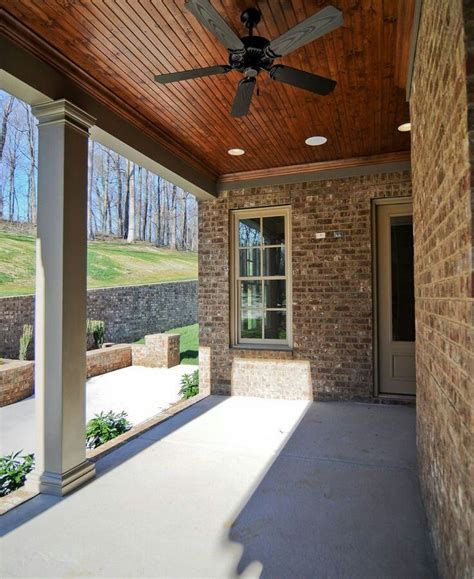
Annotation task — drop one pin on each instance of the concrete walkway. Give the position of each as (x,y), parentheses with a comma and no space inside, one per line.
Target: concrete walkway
(239,487)
(141,392)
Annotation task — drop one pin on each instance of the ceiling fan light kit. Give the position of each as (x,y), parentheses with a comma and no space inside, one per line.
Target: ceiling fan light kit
(250,55)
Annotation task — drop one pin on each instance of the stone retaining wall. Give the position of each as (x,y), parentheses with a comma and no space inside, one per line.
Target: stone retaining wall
(158,351)
(16,381)
(108,359)
(17,376)
(129,312)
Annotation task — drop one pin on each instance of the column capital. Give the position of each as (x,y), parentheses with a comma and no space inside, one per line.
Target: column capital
(63,111)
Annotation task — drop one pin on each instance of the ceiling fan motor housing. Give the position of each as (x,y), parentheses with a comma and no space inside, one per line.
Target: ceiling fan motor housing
(254,58)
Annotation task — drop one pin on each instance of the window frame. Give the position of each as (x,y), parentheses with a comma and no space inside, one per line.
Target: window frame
(260,343)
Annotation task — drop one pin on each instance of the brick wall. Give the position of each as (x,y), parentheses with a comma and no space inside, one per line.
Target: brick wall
(442,166)
(129,312)
(106,360)
(332,279)
(16,381)
(17,377)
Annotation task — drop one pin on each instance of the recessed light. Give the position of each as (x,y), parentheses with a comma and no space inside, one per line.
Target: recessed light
(236,152)
(405,127)
(315,141)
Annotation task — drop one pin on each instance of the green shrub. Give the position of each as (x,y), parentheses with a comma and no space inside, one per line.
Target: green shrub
(189,385)
(96,329)
(13,471)
(105,426)
(25,341)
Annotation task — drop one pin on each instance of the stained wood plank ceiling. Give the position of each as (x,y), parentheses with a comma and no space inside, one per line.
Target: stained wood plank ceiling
(121,44)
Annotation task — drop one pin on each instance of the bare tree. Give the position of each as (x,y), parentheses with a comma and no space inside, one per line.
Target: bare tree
(7,109)
(130,204)
(124,199)
(90,188)
(31,134)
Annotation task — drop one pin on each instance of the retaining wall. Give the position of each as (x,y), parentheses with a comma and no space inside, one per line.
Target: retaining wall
(129,312)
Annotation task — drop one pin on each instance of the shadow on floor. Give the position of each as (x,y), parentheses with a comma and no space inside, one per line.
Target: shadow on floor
(341,500)
(41,503)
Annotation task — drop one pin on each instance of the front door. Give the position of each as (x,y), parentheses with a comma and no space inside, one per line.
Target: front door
(396,299)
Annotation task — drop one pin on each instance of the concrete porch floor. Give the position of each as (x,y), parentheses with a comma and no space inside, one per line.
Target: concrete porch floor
(239,487)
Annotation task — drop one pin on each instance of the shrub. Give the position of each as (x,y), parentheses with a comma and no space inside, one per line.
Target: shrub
(106,426)
(96,329)
(189,385)
(13,471)
(25,341)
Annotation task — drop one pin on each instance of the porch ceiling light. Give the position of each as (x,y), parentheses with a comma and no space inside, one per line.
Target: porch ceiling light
(236,152)
(315,141)
(405,127)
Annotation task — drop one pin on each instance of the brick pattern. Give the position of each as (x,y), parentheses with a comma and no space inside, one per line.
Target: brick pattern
(442,162)
(108,359)
(16,381)
(332,279)
(158,351)
(17,377)
(283,379)
(204,370)
(129,312)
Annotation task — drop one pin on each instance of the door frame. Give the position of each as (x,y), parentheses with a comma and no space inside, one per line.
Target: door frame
(375,296)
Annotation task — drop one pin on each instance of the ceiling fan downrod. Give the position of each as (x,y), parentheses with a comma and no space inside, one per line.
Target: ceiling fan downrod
(250,18)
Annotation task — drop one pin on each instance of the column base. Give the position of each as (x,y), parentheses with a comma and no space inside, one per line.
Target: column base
(50,483)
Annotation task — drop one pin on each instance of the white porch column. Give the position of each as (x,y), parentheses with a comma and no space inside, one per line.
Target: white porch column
(61,294)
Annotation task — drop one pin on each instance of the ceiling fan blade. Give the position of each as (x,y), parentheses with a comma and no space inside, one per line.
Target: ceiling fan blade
(302,79)
(313,27)
(243,97)
(190,74)
(213,21)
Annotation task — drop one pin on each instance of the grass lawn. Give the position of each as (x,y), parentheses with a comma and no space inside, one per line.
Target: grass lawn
(189,343)
(109,263)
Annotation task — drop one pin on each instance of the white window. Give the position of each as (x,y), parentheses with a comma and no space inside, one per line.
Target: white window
(261,292)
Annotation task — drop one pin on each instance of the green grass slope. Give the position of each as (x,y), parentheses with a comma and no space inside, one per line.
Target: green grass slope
(110,263)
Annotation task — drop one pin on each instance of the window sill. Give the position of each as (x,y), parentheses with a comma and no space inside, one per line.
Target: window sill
(267,347)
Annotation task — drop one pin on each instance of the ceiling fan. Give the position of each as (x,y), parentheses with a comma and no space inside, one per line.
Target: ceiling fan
(252,54)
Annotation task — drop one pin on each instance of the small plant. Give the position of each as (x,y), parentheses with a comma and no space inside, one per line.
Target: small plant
(105,426)
(25,341)
(96,329)
(13,471)
(189,385)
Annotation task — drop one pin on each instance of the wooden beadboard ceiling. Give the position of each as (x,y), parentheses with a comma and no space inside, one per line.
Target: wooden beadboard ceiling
(121,44)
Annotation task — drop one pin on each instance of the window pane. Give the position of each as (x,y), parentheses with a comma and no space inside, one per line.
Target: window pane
(251,324)
(274,261)
(275,294)
(275,326)
(403,293)
(249,232)
(273,230)
(251,294)
(249,262)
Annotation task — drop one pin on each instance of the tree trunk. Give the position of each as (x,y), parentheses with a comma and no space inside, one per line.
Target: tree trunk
(145,206)
(32,167)
(90,192)
(131,204)
(119,197)
(3,137)
(184,230)
(172,241)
